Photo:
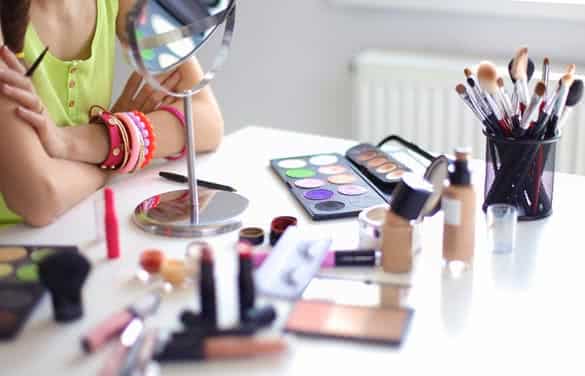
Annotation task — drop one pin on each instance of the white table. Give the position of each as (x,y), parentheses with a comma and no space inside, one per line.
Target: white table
(516,313)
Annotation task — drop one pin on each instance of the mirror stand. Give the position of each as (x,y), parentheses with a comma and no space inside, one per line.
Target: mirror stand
(193,212)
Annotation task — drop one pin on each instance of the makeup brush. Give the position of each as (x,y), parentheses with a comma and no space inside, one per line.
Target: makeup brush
(472,104)
(533,106)
(476,89)
(488,78)
(574,97)
(549,115)
(64,274)
(529,68)
(546,72)
(507,104)
(14,18)
(519,74)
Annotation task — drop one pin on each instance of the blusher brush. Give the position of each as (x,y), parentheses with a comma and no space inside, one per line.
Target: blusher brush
(14,18)
(64,274)
(574,97)
(111,222)
(519,74)
(488,79)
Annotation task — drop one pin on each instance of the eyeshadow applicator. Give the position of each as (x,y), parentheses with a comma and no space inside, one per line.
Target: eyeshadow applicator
(64,274)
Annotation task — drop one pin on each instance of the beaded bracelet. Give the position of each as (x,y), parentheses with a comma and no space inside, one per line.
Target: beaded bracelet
(181,117)
(135,145)
(152,137)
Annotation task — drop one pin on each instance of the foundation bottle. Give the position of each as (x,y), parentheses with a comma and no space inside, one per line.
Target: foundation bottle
(459,209)
(408,199)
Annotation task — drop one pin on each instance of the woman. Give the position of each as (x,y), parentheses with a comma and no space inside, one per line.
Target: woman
(50,152)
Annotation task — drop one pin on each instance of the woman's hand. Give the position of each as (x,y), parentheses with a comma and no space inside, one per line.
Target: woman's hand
(20,90)
(147,99)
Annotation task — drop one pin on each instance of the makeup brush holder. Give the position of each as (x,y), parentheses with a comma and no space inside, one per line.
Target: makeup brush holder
(521,173)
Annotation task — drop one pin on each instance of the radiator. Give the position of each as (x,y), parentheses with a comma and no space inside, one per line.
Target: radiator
(413,95)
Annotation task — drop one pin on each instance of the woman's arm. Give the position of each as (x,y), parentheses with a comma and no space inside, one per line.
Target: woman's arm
(35,186)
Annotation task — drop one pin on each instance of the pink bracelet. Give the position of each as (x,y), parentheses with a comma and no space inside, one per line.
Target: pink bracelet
(181,117)
(135,145)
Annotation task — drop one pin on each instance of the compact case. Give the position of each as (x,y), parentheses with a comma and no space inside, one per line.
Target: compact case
(331,186)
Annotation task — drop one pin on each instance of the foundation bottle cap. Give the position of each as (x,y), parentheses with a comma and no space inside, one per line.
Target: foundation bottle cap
(460,173)
(410,196)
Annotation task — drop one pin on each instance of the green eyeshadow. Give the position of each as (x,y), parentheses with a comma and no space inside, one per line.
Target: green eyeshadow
(300,173)
(38,255)
(28,273)
(5,270)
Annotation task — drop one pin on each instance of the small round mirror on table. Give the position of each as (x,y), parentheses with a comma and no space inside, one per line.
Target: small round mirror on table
(162,35)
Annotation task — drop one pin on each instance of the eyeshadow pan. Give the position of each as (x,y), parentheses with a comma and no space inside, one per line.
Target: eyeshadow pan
(366,156)
(309,183)
(352,190)
(330,206)
(342,179)
(323,160)
(300,173)
(28,273)
(386,168)
(395,174)
(6,270)
(332,170)
(14,299)
(12,254)
(38,255)
(376,162)
(319,194)
(292,163)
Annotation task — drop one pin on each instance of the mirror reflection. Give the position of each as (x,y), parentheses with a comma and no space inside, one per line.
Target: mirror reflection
(168,31)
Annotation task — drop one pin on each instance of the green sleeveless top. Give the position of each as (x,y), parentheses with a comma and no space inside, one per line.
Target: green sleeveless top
(69,88)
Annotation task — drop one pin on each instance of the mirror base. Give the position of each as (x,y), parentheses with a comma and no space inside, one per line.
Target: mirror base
(169,214)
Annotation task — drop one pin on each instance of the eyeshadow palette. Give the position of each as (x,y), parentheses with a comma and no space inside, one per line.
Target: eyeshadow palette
(327,185)
(20,288)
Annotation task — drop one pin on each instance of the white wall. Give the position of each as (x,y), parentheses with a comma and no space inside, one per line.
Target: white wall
(289,66)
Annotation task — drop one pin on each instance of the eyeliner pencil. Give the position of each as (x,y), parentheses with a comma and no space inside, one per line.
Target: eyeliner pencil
(178,178)
(36,63)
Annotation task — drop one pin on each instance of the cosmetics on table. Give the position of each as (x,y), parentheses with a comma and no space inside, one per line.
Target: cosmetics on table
(291,265)
(111,221)
(115,323)
(226,347)
(246,289)
(318,318)
(459,207)
(370,222)
(207,293)
(121,360)
(64,274)
(151,261)
(252,235)
(327,185)
(172,176)
(398,243)
(20,286)
(333,259)
(278,226)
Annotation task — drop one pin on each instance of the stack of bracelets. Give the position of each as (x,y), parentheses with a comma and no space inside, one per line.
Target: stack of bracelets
(131,138)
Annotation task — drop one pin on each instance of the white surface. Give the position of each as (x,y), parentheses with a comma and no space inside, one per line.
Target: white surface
(517,313)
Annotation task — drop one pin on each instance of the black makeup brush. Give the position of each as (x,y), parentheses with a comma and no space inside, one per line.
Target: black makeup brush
(64,274)
(14,17)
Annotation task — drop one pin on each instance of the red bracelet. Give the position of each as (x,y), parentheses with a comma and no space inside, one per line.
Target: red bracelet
(116,154)
(151,137)
(179,115)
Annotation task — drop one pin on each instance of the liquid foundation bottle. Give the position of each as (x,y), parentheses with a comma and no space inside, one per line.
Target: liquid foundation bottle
(459,207)
(408,199)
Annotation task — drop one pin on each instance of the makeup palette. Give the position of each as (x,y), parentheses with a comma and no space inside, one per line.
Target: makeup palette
(20,287)
(327,185)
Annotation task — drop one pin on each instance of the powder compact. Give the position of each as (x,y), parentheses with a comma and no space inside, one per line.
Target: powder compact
(331,186)
(20,287)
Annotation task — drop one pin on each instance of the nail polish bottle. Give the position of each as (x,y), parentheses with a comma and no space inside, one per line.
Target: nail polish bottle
(459,209)
(408,199)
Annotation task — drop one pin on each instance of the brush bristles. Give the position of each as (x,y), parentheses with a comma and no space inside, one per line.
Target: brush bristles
(575,93)
(540,88)
(500,82)
(571,69)
(460,88)
(488,76)
(64,272)
(546,61)
(468,73)
(567,79)
(520,66)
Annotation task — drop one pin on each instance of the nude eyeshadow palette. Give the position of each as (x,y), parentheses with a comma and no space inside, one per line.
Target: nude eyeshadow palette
(20,287)
(327,185)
